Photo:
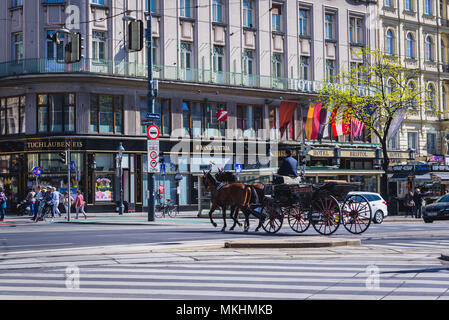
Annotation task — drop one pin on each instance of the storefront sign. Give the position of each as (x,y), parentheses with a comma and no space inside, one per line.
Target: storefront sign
(357,154)
(53,145)
(212,147)
(321,153)
(440,168)
(398,155)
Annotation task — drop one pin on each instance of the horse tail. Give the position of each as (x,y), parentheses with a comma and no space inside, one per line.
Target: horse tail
(248,196)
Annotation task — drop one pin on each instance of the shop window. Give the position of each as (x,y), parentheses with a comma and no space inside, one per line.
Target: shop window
(12,115)
(249,120)
(431,143)
(56,112)
(104,187)
(106,114)
(162,107)
(105,162)
(200,119)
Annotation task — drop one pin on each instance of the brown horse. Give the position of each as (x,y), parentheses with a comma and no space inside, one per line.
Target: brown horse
(233,194)
(258,187)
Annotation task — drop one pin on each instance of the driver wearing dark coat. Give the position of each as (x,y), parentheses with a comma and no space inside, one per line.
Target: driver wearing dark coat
(289,166)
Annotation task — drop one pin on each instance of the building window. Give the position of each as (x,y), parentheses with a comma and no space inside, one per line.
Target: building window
(428,7)
(408,5)
(431,143)
(200,119)
(249,120)
(56,112)
(429,49)
(431,96)
(389,42)
(17,3)
(330,71)
(357,72)
(106,113)
(304,22)
(99,45)
(444,97)
(248,66)
(356,30)
(217,11)
(389,3)
(393,142)
(184,7)
(17,46)
(443,52)
(276,17)
(155,50)
(410,46)
(54,51)
(329,26)
(412,138)
(304,68)
(161,106)
(153,5)
(12,115)
(218,63)
(247,13)
(277,65)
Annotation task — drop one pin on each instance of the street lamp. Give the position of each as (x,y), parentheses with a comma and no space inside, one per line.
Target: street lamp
(178,178)
(119,163)
(378,159)
(337,154)
(411,154)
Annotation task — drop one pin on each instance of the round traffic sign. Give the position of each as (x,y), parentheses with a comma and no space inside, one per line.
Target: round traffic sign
(153,154)
(153,132)
(153,163)
(36,171)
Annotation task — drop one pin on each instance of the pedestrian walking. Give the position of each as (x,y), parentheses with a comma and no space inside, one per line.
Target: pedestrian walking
(66,202)
(55,202)
(409,203)
(2,204)
(418,199)
(79,204)
(31,201)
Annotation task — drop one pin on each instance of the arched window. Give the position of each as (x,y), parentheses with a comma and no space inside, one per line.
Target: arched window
(429,49)
(428,7)
(410,46)
(431,96)
(408,5)
(390,42)
(411,88)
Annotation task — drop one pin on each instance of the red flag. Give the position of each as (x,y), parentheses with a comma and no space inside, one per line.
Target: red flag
(286,111)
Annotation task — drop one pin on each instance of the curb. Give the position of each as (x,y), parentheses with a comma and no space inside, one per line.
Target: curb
(267,244)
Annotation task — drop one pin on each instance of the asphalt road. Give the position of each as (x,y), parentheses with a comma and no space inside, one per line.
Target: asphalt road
(57,235)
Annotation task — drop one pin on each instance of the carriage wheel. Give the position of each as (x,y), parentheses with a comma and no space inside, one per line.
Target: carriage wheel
(356,214)
(273,218)
(325,215)
(298,219)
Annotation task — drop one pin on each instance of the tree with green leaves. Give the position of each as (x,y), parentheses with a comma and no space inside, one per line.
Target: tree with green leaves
(380,92)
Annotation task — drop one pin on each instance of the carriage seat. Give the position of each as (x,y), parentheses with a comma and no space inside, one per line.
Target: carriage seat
(277,179)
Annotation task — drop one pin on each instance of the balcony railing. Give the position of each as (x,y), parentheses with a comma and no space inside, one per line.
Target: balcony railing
(136,70)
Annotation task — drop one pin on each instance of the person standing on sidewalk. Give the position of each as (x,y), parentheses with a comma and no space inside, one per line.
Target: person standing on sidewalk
(31,201)
(55,202)
(417,198)
(2,204)
(409,203)
(66,202)
(79,204)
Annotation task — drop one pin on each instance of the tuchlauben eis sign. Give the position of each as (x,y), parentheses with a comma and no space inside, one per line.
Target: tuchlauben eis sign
(53,145)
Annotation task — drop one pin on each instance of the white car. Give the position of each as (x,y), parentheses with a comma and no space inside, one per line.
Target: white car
(378,205)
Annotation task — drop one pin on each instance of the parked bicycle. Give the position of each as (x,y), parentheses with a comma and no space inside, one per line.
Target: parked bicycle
(166,208)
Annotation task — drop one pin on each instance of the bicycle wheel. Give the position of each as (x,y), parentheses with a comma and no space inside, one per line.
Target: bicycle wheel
(159,211)
(326,215)
(298,219)
(356,214)
(173,211)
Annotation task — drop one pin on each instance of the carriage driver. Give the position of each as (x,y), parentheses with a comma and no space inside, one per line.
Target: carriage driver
(289,169)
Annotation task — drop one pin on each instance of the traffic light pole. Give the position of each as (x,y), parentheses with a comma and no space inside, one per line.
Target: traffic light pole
(150,105)
(68,183)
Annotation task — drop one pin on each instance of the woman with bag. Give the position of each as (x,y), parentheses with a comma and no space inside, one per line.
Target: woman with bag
(66,202)
(2,205)
(79,204)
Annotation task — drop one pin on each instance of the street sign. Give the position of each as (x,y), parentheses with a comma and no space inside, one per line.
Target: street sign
(153,116)
(72,166)
(162,166)
(153,132)
(222,115)
(146,122)
(153,155)
(238,168)
(36,171)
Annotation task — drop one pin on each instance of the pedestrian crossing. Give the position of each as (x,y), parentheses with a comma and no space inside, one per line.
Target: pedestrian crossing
(220,279)
(415,245)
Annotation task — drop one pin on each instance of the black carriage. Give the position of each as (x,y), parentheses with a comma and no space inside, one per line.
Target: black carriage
(324,206)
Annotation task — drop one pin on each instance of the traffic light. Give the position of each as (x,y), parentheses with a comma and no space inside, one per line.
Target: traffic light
(63,157)
(74,48)
(135,35)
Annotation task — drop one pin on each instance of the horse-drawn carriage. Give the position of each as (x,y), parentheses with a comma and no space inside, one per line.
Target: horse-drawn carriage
(324,206)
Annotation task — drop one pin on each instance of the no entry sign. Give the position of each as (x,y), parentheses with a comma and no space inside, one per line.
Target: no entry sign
(153,132)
